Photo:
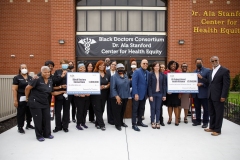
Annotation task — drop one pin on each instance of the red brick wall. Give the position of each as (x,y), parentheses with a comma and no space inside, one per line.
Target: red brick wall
(225,46)
(179,28)
(34,28)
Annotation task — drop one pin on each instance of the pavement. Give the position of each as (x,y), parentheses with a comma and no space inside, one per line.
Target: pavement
(183,142)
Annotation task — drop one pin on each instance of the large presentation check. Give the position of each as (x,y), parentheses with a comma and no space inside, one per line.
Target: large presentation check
(83,83)
(182,82)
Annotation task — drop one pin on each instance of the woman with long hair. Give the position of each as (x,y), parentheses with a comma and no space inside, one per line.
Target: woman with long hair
(99,101)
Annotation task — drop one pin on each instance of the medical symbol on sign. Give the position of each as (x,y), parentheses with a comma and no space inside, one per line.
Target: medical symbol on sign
(87,42)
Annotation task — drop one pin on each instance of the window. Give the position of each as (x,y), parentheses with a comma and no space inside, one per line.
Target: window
(121,21)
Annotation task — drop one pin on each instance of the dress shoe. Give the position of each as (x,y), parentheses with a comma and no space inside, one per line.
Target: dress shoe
(56,130)
(215,134)
(93,121)
(111,123)
(143,125)
(176,124)
(74,121)
(124,125)
(208,130)
(65,130)
(30,127)
(205,125)
(196,124)
(162,124)
(185,120)
(103,128)
(135,128)
(97,126)
(41,139)
(118,128)
(21,130)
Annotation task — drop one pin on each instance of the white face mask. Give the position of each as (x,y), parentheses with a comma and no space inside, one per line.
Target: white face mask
(133,66)
(24,71)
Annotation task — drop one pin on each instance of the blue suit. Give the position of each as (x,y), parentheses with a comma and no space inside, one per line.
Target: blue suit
(200,98)
(139,86)
(157,96)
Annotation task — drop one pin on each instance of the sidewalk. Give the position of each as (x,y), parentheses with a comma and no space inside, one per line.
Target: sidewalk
(183,142)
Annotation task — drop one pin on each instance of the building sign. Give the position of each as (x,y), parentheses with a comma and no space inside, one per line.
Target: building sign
(222,22)
(121,46)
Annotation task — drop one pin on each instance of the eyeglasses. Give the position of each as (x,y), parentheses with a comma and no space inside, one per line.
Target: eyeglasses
(145,63)
(214,60)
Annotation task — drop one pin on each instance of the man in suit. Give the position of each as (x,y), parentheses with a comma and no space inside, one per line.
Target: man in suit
(139,94)
(200,98)
(219,83)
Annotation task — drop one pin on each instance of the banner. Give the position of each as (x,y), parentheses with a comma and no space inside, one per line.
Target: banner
(121,46)
(83,83)
(182,82)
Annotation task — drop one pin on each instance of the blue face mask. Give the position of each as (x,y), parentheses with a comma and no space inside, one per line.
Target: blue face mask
(64,66)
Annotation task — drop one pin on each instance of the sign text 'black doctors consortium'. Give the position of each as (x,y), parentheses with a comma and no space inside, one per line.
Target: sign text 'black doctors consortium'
(121,46)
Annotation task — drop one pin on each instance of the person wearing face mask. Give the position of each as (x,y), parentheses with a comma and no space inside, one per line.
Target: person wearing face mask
(71,69)
(62,101)
(119,93)
(20,82)
(133,63)
(219,83)
(200,99)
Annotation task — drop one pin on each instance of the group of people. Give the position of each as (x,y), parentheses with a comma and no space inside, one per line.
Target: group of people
(32,96)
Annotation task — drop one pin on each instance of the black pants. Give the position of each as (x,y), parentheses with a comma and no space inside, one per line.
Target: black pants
(216,110)
(41,117)
(110,111)
(98,107)
(118,111)
(73,107)
(198,102)
(138,108)
(23,110)
(161,113)
(91,112)
(62,121)
(82,104)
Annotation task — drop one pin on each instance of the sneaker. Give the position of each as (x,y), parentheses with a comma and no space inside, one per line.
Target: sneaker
(21,130)
(79,127)
(50,137)
(41,139)
(65,130)
(103,128)
(84,125)
(97,126)
(30,127)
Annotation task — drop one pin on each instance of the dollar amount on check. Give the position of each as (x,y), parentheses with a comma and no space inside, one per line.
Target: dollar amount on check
(182,82)
(83,83)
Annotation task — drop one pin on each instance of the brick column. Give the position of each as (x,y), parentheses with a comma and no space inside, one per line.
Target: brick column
(179,28)
(62,27)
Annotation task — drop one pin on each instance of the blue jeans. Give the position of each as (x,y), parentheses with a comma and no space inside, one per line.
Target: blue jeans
(156,107)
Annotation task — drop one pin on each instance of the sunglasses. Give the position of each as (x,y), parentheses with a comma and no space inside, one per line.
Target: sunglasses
(214,61)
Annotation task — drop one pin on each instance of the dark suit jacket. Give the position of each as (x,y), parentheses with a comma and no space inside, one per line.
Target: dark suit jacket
(139,84)
(152,83)
(202,90)
(219,86)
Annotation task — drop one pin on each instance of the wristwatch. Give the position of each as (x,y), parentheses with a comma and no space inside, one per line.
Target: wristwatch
(60,86)
(105,86)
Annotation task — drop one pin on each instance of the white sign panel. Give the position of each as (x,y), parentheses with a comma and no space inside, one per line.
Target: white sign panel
(83,83)
(182,82)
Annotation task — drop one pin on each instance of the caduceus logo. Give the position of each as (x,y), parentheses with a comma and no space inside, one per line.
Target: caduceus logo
(87,42)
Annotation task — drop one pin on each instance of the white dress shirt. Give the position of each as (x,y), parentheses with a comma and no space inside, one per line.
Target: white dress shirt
(215,71)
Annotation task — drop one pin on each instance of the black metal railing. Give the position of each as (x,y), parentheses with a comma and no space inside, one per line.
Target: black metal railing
(232,110)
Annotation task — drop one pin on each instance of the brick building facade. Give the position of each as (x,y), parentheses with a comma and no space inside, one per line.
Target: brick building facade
(34,27)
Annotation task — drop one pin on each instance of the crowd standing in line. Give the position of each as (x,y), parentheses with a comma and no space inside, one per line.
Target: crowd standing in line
(34,94)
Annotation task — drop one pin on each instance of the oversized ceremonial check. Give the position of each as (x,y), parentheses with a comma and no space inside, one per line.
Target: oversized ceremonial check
(182,82)
(83,83)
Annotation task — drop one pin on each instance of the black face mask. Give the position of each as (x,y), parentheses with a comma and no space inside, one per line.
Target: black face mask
(199,66)
(70,67)
(120,71)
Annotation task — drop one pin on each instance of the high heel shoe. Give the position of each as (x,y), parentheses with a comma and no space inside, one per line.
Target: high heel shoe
(169,121)
(158,125)
(185,120)
(176,124)
(153,125)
